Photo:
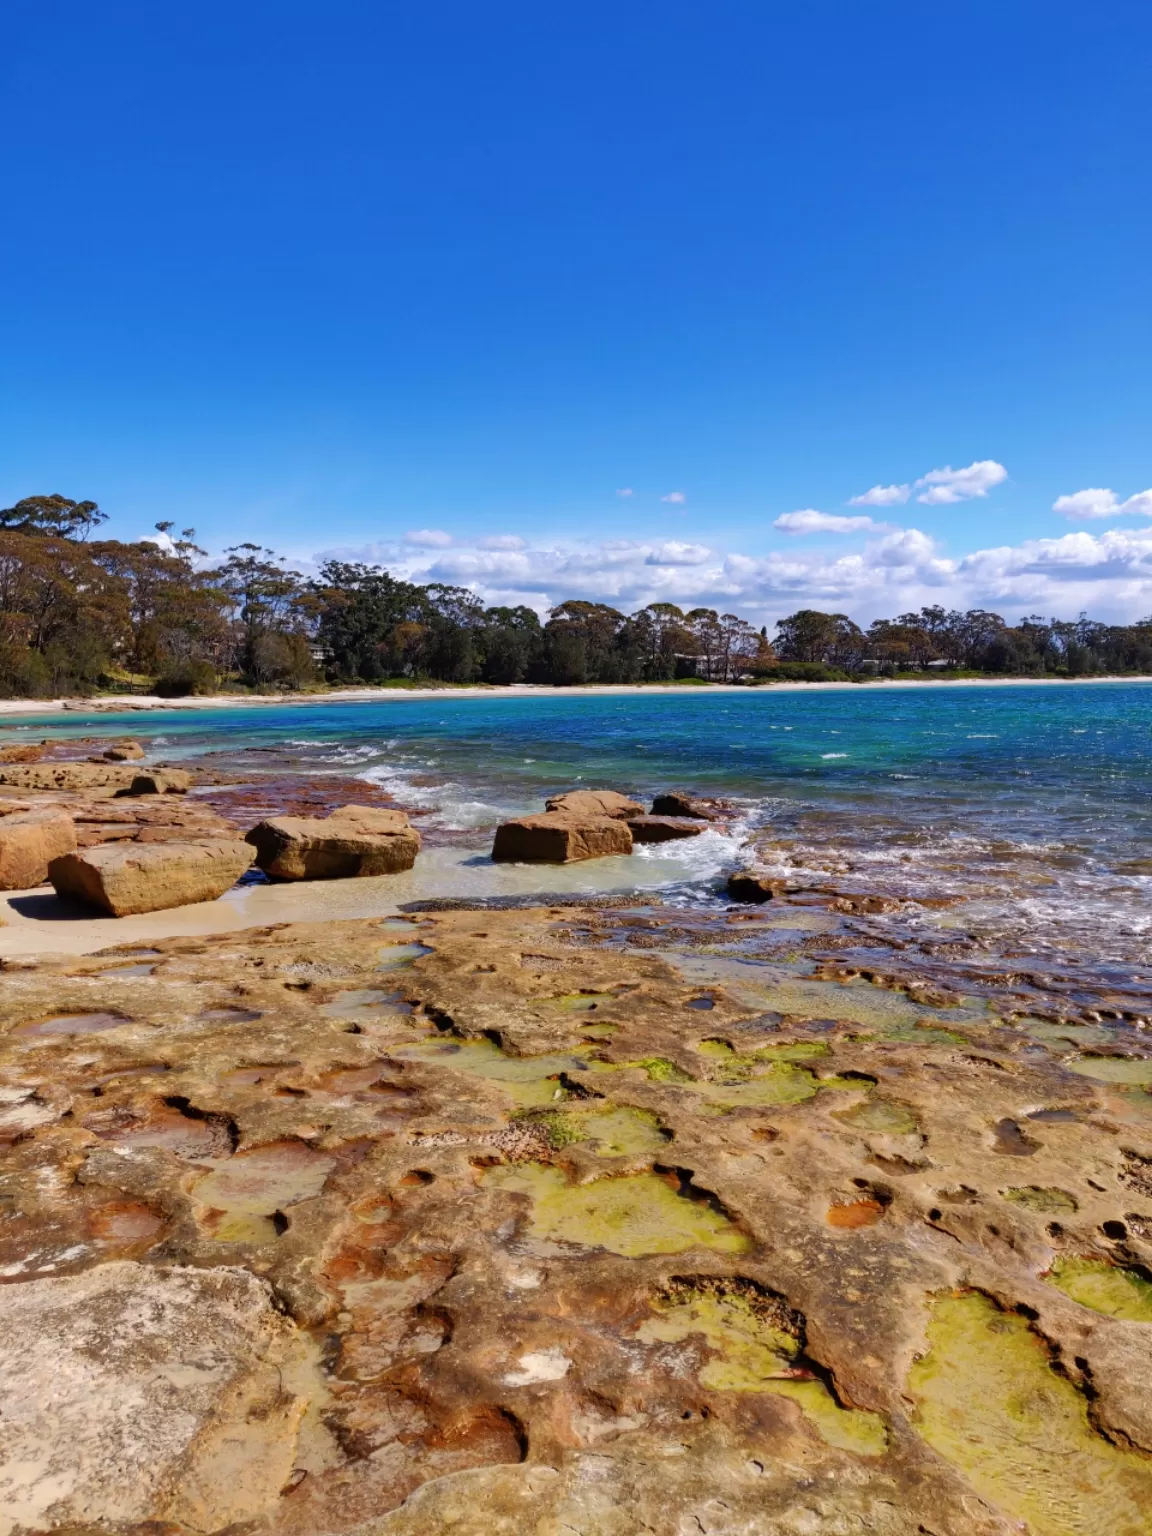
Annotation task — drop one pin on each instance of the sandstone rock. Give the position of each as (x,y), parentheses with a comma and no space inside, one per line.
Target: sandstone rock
(594,802)
(352,842)
(29,841)
(83,777)
(663,829)
(169,781)
(747,885)
(561,839)
(119,752)
(134,1393)
(127,878)
(675,803)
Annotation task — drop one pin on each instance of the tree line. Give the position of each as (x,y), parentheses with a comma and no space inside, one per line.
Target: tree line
(78,613)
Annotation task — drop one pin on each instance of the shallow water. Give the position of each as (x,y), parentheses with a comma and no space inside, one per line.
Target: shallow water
(1028,808)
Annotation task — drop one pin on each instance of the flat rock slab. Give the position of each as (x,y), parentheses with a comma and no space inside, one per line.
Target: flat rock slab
(561,839)
(133,1393)
(664,829)
(353,842)
(594,802)
(73,776)
(29,841)
(125,880)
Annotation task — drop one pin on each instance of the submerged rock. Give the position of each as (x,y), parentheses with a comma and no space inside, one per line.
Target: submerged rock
(747,885)
(354,841)
(29,841)
(124,880)
(557,838)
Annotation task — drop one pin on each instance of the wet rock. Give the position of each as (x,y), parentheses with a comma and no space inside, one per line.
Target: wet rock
(29,841)
(747,885)
(594,802)
(561,839)
(124,880)
(354,841)
(124,752)
(663,829)
(134,1394)
(677,803)
(169,781)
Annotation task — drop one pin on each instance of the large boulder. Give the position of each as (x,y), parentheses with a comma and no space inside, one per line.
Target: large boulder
(594,802)
(29,841)
(119,752)
(155,781)
(354,841)
(128,878)
(664,829)
(676,803)
(560,839)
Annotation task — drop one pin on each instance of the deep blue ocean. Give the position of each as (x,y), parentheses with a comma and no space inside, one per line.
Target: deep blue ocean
(1038,796)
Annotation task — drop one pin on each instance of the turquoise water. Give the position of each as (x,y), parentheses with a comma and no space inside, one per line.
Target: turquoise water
(1039,794)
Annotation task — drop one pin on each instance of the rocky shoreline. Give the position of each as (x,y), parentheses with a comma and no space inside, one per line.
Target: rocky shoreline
(573,1217)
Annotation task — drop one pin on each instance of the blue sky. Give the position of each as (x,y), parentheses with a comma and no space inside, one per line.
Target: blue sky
(329,276)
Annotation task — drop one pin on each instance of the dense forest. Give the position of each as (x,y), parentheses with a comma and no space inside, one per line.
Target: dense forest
(79,613)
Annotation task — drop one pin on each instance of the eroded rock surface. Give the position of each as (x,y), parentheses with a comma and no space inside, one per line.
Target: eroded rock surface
(569,1220)
(126,880)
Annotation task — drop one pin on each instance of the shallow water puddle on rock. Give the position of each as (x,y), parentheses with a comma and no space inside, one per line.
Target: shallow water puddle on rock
(230,1015)
(72,1024)
(396,957)
(757,1342)
(1104,1287)
(244,1194)
(882,1117)
(1045,1202)
(529,1080)
(633,1215)
(770,1075)
(1130,1070)
(989,1401)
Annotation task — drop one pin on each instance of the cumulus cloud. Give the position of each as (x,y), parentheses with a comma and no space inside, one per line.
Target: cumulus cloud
(811,521)
(428,538)
(502,541)
(888,571)
(1082,506)
(625,490)
(944,487)
(674,553)
(882,496)
(677,497)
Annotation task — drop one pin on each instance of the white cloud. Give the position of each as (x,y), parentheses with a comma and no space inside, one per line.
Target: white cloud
(882,496)
(626,490)
(1108,574)
(502,541)
(677,497)
(944,487)
(428,538)
(1082,506)
(674,553)
(811,521)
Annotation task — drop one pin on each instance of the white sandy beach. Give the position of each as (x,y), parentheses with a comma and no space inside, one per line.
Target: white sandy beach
(116,703)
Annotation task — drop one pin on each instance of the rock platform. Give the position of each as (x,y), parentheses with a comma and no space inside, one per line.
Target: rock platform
(545,1221)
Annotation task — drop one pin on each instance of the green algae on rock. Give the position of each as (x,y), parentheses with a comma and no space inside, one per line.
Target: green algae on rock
(632,1215)
(1045,1202)
(529,1080)
(883,1117)
(611,1130)
(757,1341)
(990,1402)
(1131,1070)
(1104,1287)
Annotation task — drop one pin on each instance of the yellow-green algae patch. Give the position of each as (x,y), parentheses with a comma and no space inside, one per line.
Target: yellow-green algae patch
(1113,1069)
(529,1080)
(770,1075)
(989,1402)
(1044,1201)
(1105,1287)
(883,1117)
(634,1215)
(757,1343)
(611,1130)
